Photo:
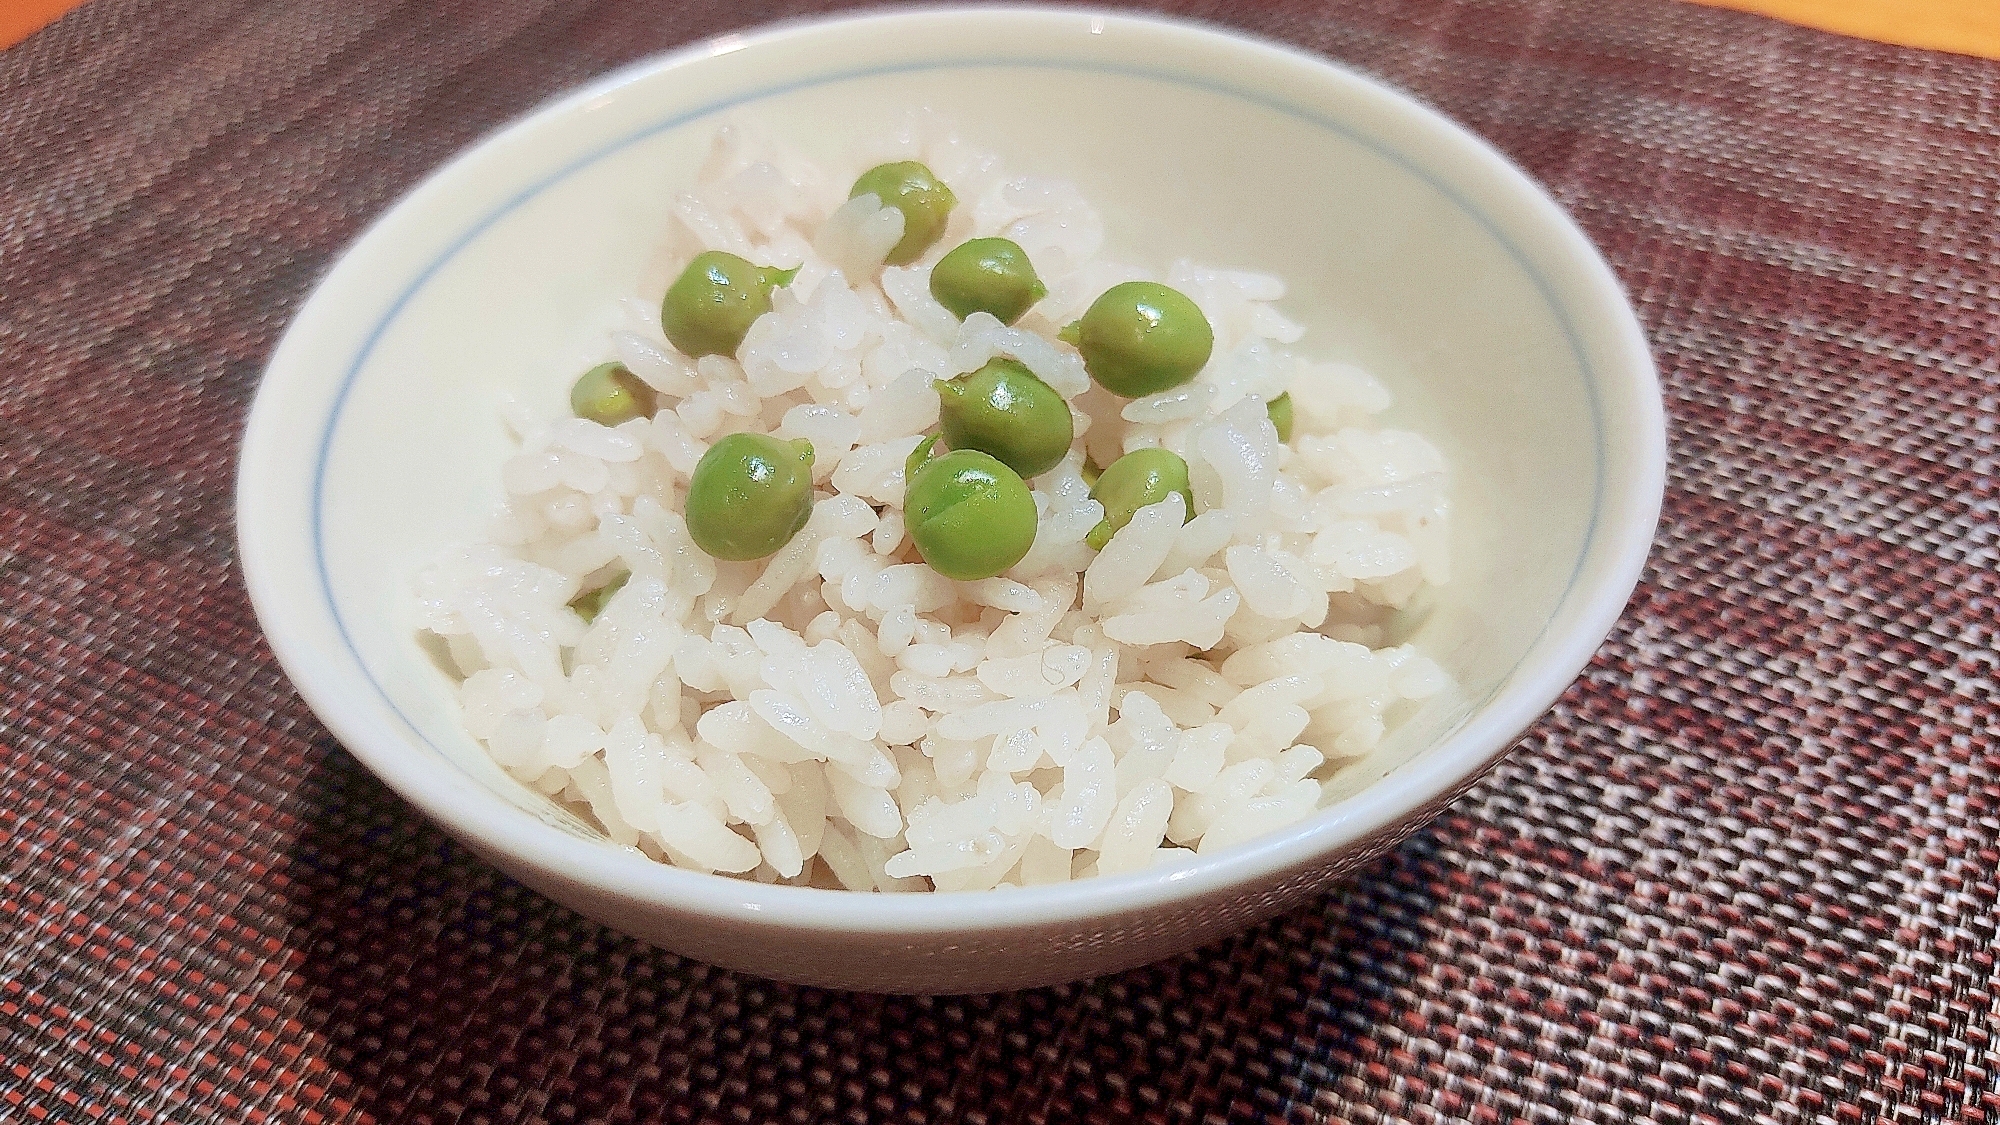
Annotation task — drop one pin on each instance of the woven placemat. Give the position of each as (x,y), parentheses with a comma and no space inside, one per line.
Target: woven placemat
(1744,871)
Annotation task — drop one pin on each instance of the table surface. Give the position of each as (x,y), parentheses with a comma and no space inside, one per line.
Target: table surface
(1970,27)
(1745,870)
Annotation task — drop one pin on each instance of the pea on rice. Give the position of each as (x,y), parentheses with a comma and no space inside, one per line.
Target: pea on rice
(841,715)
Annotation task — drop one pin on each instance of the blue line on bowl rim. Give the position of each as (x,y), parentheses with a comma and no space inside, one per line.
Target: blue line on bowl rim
(1300,113)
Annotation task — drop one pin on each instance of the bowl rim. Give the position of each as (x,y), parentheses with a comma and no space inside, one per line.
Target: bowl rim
(493,825)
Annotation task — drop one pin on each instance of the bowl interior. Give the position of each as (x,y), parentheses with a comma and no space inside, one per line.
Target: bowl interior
(1409,249)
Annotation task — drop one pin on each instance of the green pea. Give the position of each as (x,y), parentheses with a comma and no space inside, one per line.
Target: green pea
(750,493)
(991,275)
(1090,472)
(925,203)
(710,307)
(1002,409)
(1141,477)
(590,603)
(1280,410)
(970,516)
(609,394)
(1141,338)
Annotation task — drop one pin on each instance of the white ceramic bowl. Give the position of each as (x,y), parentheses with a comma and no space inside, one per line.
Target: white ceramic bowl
(1412,248)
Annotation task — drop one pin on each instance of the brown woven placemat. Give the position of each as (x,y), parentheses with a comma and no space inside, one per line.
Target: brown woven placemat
(1744,871)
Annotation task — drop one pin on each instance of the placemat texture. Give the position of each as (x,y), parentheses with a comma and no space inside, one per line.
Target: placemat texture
(1744,871)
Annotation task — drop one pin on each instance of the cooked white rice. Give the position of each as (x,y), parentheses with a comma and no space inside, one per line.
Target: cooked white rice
(840,714)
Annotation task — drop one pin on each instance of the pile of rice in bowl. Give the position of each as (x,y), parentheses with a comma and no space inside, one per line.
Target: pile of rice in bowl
(840,714)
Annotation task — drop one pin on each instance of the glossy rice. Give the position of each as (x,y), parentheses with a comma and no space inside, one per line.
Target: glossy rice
(839,714)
